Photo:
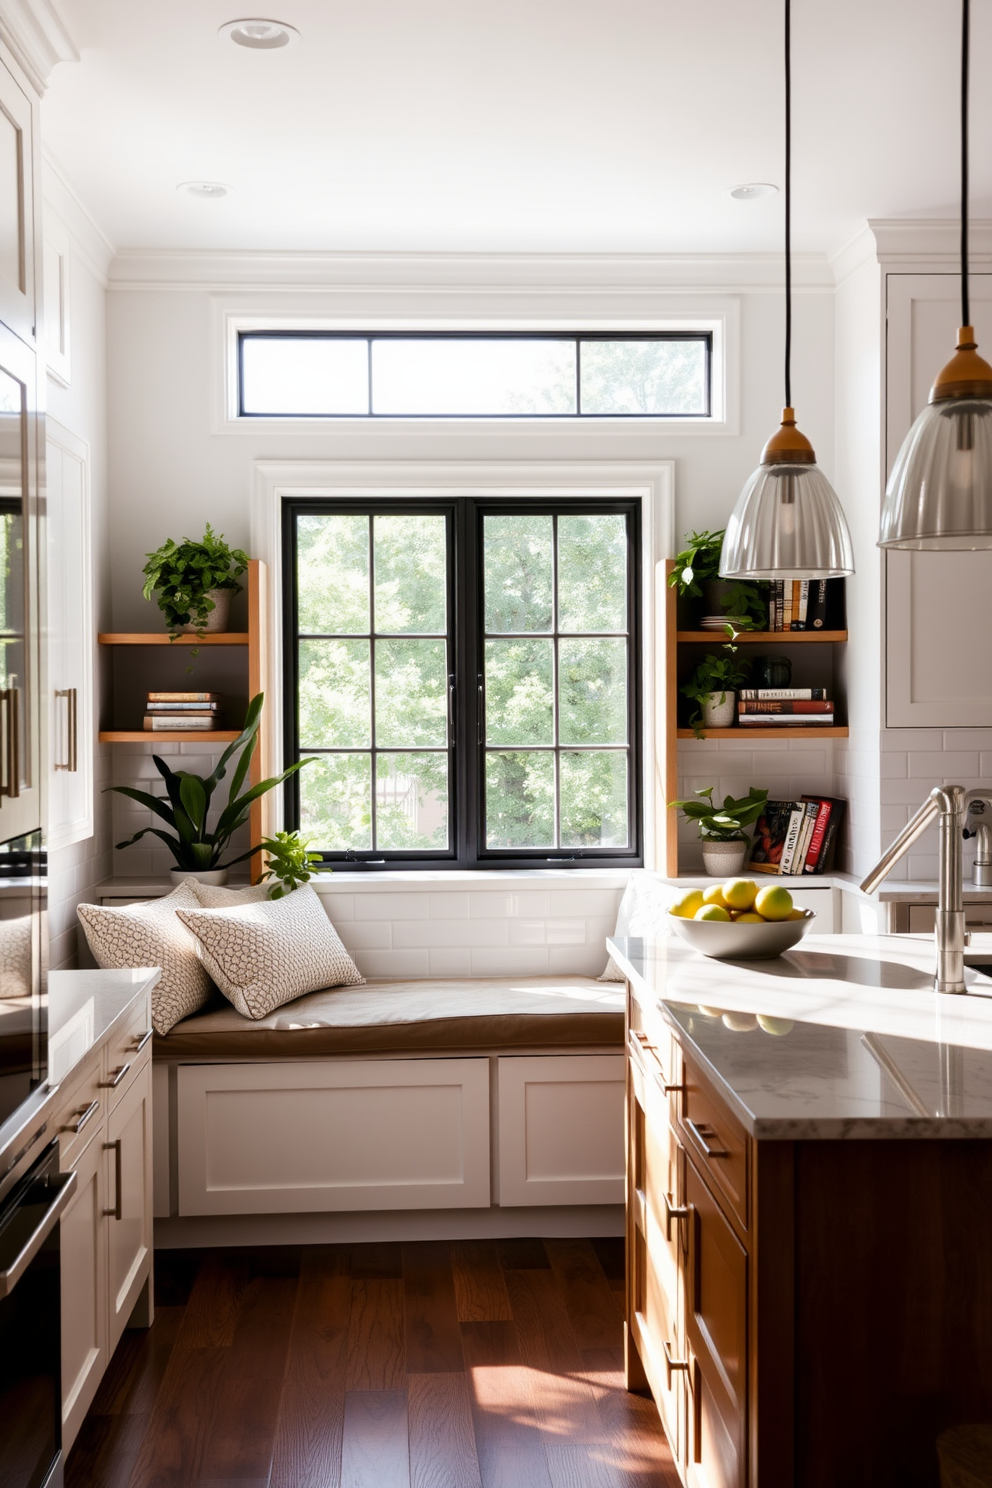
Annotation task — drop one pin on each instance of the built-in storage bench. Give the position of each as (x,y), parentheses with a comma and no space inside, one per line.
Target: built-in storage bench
(485,1095)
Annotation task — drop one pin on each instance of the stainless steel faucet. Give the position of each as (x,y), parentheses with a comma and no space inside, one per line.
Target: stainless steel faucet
(978,823)
(948,803)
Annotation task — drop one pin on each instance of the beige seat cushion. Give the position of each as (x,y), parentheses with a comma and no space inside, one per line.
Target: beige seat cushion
(398,1017)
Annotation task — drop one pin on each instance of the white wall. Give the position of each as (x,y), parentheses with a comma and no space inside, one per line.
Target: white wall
(82,408)
(172,469)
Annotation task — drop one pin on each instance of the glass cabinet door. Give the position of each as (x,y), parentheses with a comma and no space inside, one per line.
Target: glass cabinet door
(19,766)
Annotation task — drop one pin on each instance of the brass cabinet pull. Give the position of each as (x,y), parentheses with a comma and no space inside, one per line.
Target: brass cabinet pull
(142,1041)
(704,1134)
(116,1079)
(72,728)
(115,1147)
(673,1365)
(672,1212)
(83,1115)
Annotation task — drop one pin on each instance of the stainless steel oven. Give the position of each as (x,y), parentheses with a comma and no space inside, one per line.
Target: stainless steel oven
(30,1306)
(23,990)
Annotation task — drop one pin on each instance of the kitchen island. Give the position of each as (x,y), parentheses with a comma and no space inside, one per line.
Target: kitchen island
(809,1209)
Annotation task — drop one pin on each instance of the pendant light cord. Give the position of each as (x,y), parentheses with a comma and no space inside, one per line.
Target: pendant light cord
(788,201)
(965,70)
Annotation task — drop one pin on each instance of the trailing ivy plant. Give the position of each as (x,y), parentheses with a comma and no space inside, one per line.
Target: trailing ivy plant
(183,574)
(289,863)
(721,671)
(726,824)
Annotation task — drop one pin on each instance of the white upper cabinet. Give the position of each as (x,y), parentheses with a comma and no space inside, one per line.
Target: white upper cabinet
(70,639)
(17,206)
(938,663)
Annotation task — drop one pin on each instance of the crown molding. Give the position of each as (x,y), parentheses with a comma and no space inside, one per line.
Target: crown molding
(915,243)
(453,273)
(37,36)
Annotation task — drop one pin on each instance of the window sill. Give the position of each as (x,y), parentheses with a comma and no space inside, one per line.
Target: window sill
(388,881)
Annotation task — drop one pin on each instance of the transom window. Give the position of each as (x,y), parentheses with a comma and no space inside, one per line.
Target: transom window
(463,675)
(321,374)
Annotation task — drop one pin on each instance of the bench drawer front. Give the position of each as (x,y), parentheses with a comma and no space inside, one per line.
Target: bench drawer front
(561,1129)
(306,1137)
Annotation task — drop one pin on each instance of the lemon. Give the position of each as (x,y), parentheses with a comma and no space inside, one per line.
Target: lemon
(774,903)
(711,912)
(714,895)
(750,918)
(686,907)
(740,893)
(796,914)
(777,1026)
(740,1022)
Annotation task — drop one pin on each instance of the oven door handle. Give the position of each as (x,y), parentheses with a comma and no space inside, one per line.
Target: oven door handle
(64,1190)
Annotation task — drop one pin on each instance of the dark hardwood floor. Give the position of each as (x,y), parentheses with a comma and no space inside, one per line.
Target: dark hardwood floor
(481,1364)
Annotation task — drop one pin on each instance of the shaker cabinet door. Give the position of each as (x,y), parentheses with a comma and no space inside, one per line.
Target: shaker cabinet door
(70,639)
(128,1158)
(934,677)
(17,235)
(84,1289)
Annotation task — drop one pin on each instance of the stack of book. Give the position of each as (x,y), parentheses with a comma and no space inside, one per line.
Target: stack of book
(784,706)
(797,836)
(194,711)
(798,604)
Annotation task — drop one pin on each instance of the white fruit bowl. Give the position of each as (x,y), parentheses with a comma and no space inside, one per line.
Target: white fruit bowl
(728,940)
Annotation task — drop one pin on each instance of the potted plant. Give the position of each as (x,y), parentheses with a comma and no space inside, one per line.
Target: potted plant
(696,575)
(721,831)
(195,582)
(289,863)
(713,687)
(186,807)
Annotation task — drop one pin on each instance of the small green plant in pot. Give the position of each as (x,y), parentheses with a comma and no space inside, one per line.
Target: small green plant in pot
(713,687)
(194,582)
(722,832)
(289,863)
(196,848)
(696,575)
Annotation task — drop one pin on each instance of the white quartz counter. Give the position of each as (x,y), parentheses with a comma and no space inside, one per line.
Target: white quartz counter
(83,1009)
(841,1037)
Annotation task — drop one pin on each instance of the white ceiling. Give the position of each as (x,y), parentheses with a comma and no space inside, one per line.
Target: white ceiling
(527,125)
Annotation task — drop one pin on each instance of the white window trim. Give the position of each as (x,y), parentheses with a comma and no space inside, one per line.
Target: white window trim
(719,316)
(653,484)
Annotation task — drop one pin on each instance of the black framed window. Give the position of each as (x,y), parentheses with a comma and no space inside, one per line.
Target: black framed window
(505,374)
(465,674)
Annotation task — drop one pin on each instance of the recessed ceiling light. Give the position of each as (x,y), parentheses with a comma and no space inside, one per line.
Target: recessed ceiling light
(261,35)
(212,190)
(752,190)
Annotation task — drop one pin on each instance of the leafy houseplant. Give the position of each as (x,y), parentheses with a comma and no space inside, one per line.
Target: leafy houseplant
(190,578)
(186,806)
(697,575)
(289,863)
(719,828)
(717,674)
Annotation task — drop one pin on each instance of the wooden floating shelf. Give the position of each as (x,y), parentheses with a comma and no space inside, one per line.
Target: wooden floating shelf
(167,736)
(763,637)
(156,638)
(754,732)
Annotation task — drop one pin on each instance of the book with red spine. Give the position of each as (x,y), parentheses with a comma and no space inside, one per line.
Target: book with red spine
(823,843)
(809,822)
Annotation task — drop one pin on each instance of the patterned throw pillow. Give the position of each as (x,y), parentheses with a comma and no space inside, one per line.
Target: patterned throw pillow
(214,896)
(264,954)
(152,935)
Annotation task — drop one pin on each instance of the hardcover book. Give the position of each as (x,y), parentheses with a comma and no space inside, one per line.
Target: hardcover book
(823,843)
(784,705)
(184,697)
(770,835)
(773,694)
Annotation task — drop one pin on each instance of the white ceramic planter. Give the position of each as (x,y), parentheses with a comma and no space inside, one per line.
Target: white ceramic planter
(724,859)
(719,709)
(219,616)
(216,877)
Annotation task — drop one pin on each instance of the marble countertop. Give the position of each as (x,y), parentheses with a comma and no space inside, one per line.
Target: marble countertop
(84,1007)
(842,1037)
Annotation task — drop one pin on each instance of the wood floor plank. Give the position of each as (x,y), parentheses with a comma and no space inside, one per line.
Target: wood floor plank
(263,1327)
(432,1332)
(105,1451)
(566,1405)
(375,1452)
(581,1465)
(307,1448)
(480,1287)
(243,1425)
(504,1412)
(182,1420)
(522,1255)
(376,1356)
(175,1273)
(215,1301)
(379,1260)
(594,1311)
(640,1447)
(137,1367)
(442,1436)
(610,1252)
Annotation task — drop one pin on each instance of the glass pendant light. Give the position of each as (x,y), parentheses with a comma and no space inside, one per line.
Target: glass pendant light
(788,523)
(939,495)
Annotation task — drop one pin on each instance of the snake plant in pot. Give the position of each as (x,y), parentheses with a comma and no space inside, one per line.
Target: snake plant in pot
(185,808)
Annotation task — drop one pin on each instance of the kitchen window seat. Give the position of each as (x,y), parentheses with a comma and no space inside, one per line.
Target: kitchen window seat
(451,1108)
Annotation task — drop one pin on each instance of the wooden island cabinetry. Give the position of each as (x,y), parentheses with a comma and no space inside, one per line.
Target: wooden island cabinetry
(812,1312)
